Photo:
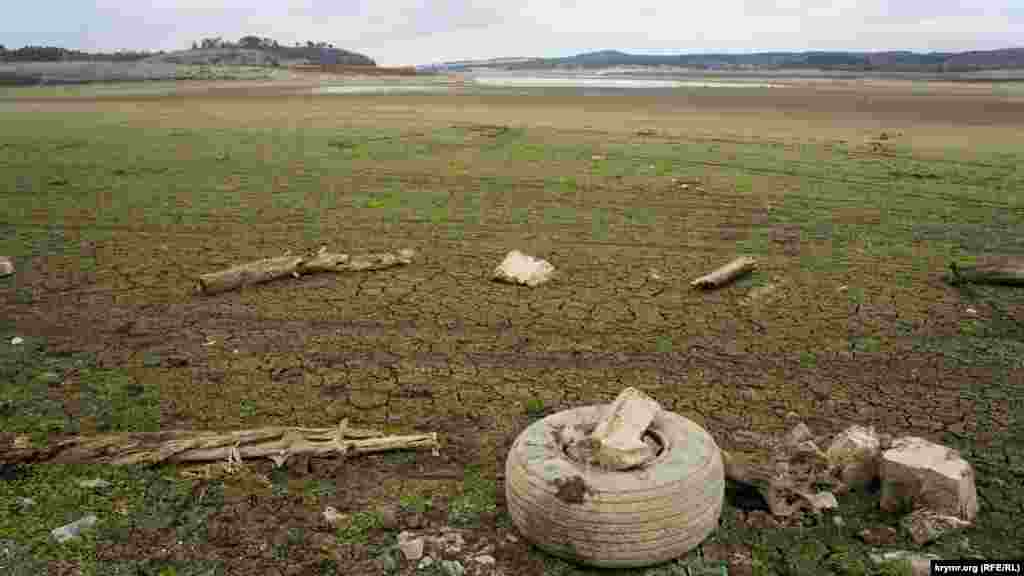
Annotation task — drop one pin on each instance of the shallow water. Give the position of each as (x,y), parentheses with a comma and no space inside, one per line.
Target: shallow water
(591,82)
(377,88)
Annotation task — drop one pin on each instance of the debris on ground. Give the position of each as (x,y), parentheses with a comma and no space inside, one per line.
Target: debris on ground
(17,340)
(879,536)
(726,274)
(854,452)
(917,473)
(323,261)
(178,446)
(519,268)
(6,266)
(618,439)
(926,525)
(411,546)
(74,529)
(788,470)
(332,517)
(94,484)
(1002,271)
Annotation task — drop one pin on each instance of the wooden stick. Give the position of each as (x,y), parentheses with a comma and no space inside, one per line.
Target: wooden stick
(178,446)
(1008,273)
(726,274)
(327,262)
(247,274)
(273,268)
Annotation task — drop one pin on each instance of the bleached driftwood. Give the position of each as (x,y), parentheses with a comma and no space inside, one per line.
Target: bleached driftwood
(277,443)
(726,274)
(1005,272)
(328,262)
(273,268)
(251,273)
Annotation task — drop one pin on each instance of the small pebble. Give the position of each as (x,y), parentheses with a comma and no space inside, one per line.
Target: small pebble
(17,340)
(95,483)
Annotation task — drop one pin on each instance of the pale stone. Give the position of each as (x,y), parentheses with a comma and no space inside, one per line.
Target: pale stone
(927,525)
(519,268)
(6,266)
(798,434)
(917,473)
(822,501)
(620,432)
(94,484)
(332,517)
(74,529)
(854,454)
(411,546)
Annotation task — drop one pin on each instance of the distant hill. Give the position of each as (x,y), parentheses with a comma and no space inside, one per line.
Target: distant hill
(896,61)
(248,51)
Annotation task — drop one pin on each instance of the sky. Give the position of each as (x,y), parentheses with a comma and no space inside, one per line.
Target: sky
(407,32)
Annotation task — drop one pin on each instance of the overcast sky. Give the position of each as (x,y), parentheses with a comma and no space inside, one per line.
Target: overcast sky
(399,32)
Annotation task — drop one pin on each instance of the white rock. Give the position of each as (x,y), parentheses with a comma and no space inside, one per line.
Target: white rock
(485,559)
(411,546)
(822,501)
(518,268)
(619,433)
(95,483)
(17,340)
(6,266)
(798,434)
(921,474)
(854,453)
(332,516)
(512,538)
(927,525)
(74,529)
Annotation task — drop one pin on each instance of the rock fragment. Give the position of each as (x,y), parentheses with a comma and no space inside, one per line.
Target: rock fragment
(917,473)
(519,268)
(74,529)
(853,454)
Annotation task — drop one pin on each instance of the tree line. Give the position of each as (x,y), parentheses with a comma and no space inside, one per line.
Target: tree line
(317,52)
(57,54)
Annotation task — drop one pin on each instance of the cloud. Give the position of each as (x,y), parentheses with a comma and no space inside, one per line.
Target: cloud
(421,31)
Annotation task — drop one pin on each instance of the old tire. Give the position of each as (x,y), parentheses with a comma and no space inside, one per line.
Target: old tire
(602,518)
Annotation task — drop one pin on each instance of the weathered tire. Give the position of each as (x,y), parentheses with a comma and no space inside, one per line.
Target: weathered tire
(606,518)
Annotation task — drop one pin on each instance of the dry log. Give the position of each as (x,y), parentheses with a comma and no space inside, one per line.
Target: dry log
(726,274)
(327,262)
(323,261)
(251,273)
(277,443)
(1005,272)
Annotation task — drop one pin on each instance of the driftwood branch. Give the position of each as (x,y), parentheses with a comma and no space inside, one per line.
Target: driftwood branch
(1006,272)
(251,273)
(274,268)
(725,274)
(327,262)
(277,443)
